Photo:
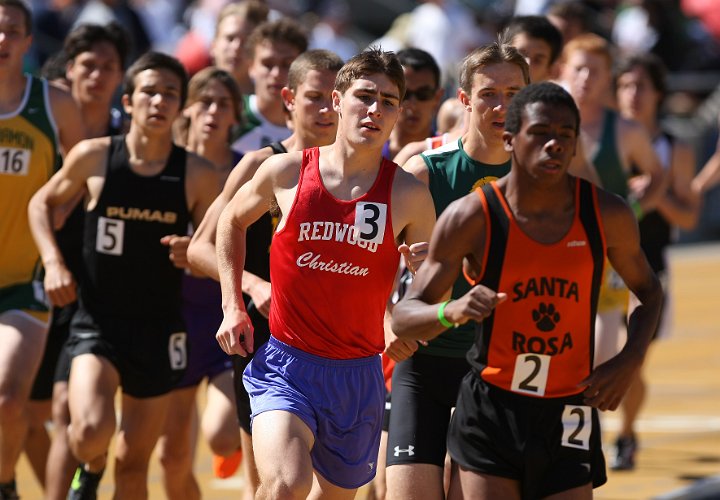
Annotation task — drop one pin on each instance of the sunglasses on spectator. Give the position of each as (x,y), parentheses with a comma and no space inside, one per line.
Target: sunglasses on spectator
(421,94)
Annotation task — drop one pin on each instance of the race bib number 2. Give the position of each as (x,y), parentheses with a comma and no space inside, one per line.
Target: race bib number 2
(577,426)
(370,221)
(14,161)
(531,373)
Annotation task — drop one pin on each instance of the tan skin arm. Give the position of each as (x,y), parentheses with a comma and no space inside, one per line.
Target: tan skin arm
(251,201)
(581,167)
(202,252)
(202,183)
(607,384)
(709,176)
(415,316)
(408,151)
(68,118)
(636,144)
(681,204)
(84,161)
(418,168)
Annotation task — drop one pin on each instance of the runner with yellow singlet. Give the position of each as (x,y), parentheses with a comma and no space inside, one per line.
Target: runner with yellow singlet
(30,139)
(613,144)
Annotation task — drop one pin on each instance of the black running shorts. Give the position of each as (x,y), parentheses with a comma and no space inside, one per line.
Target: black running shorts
(424,392)
(549,445)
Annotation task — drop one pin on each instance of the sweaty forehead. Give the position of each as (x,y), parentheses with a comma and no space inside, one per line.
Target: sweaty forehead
(498,76)
(158,77)
(544,113)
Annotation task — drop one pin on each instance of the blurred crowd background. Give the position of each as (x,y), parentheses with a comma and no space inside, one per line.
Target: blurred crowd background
(685,34)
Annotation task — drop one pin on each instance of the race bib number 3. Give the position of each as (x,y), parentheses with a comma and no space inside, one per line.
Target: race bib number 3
(110,235)
(577,426)
(531,373)
(370,221)
(14,161)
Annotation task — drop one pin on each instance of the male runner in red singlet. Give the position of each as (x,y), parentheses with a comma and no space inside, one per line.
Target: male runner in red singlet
(308,99)
(316,386)
(533,245)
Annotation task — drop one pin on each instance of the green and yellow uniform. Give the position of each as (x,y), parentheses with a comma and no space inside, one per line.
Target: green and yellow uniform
(28,158)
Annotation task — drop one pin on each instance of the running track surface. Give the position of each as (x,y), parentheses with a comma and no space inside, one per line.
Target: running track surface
(679,429)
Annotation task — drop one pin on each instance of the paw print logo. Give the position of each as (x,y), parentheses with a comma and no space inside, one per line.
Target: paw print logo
(545,317)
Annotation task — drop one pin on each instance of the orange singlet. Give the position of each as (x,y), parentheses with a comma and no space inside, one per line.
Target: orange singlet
(539,342)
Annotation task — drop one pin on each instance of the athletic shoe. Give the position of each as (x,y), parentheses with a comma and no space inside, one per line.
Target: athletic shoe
(625,448)
(8,491)
(224,467)
(84,485)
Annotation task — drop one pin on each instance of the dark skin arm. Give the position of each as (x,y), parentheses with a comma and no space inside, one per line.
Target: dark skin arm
(607,384)
(415,316)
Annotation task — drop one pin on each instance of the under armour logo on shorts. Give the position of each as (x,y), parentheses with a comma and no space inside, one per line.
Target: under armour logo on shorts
(408,450)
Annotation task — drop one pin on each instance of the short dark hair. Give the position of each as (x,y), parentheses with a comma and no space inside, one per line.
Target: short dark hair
(82,39)
(493,53)
(653,66)
(545,92)
(317,59)
(54,67)
(25,8)
(571,10)
(535,27)
(370,62)
(419,60)
(283,30)
(253,11)
(155,60)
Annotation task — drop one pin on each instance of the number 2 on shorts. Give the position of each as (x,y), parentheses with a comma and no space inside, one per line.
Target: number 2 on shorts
(577,424)
(531,373)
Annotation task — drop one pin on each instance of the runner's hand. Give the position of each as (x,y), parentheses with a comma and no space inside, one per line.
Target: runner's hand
(414,254)
(476,305)
(59,284)
(235,334)
(608,383)
(399,349)
(178,246)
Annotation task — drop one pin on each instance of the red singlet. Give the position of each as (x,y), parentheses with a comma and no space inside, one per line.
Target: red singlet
(332,267)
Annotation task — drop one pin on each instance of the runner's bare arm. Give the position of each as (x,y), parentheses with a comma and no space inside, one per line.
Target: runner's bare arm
(607,384)
(85,160)
(681,204)
(458,233)
(202,184)
(202,252)
(248,205)
(709,175)
(636,142)
(68,118)
(418,168)
(581,167)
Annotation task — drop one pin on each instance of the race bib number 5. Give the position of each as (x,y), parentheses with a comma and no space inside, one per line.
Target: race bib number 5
(531,373)
(14,161)
(370,221)
(110,236)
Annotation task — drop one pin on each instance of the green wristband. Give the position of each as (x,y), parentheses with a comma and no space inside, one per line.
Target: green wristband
(441,316)
(637,209)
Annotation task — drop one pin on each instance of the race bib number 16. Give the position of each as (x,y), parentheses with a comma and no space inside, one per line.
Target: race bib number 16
(370,221)
(14,161)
